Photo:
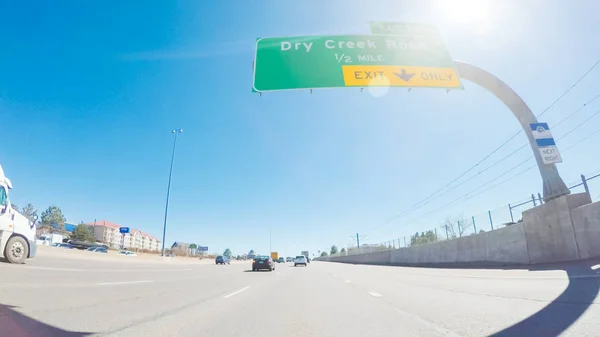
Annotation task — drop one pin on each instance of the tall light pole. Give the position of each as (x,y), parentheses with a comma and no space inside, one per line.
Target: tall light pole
(175,132)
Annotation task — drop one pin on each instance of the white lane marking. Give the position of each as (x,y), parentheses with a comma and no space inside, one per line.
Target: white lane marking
(277,273)
(121,283)
(104,270)
(334,275)
(236,292)
(57,269)
(347,281)
(374,294)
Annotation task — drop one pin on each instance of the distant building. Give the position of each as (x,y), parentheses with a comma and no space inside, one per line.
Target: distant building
(181,248)
(108,233)
(70,227)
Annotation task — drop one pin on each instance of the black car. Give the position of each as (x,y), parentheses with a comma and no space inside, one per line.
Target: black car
(221,260)
(263,262)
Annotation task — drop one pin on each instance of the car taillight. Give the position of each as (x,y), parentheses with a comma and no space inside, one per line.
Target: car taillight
(269,261)
(253,261)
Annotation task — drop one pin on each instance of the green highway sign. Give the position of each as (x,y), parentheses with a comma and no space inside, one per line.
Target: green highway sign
(310,62)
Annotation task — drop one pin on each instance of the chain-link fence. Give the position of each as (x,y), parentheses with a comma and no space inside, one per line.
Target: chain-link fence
(492,219)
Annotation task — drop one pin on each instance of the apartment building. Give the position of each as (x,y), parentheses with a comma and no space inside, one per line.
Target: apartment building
(108,233)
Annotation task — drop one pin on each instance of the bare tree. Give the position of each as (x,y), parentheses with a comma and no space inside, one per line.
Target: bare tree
(456,227)
(449,228)
(463,225)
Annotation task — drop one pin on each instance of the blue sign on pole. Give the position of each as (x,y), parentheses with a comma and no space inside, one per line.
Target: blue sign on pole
(545,143)
(124,230)
(203,248)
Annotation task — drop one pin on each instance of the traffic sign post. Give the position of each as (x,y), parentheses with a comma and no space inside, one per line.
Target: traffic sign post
(545,143)
(123,231)
(554,186)
(203,248)
(310,62)
(401,55)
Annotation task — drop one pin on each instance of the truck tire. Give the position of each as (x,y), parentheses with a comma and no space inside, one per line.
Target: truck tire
(16,250)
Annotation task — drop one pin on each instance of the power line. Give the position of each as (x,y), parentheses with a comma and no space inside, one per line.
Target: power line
(580,124)
(525,145)
(570,88)
(466,195)
(478,173)
(582,139)
(576,111)
(427,199)
(481,186)
(504,181)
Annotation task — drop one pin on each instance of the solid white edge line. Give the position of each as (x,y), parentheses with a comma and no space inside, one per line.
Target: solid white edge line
(347,281)
(105,270)
(236,292)
(374,294)
(124,282)
(55,269)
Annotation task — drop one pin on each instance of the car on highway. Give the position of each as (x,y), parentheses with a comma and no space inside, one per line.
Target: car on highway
(97,250)
(281,260)
(300,260)
(64,245)
(263,262)
(222,260)
(288,259)
(127,253)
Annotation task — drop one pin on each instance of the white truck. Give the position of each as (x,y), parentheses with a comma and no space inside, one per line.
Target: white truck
(17,233)
(49,239)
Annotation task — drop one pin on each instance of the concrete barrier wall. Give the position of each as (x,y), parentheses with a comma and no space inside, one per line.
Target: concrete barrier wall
(549,229)
(506,245)
(472,248)
(586,225)
(564,229)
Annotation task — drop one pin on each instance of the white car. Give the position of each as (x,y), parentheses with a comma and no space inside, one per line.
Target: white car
(127,253)
(300,259)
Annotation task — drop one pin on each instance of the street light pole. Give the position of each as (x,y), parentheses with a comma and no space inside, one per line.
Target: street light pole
(169,189)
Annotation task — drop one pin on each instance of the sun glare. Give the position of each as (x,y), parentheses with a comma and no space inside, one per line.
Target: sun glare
(473,13)
(467,11)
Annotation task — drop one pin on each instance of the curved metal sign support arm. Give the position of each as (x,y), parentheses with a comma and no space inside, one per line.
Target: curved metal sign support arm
(554,186)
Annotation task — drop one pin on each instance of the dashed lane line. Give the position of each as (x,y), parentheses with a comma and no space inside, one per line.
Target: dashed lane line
(236,292)
(123,283)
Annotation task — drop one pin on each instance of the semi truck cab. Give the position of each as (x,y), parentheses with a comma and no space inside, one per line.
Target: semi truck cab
(17,233)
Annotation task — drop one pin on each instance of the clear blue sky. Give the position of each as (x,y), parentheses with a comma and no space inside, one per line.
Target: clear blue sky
(89,93)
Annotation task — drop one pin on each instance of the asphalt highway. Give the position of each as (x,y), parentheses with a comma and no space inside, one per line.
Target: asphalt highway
(55,295)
